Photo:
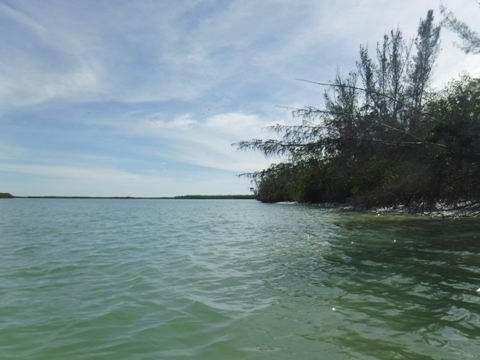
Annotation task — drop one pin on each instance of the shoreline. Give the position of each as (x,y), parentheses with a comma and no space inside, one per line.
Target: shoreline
(180,197)
(441,211)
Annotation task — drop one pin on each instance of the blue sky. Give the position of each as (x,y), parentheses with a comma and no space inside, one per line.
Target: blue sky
(145,98)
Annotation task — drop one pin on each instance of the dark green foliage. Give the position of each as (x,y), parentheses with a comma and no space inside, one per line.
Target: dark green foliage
(6,196)
(385,142)
(457,129)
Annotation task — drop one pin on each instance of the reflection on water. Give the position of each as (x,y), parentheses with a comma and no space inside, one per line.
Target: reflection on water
(204,279)
(401,287)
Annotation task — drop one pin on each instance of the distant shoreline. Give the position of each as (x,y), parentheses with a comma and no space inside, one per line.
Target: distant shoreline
(193,197)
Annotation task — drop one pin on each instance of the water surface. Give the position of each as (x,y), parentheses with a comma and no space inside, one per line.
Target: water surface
(233,279)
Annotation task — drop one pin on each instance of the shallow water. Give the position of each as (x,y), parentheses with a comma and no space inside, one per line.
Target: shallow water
(233,279)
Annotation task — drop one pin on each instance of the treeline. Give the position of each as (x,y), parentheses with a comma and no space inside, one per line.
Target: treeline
(216,197)
(213,197)
(383,139)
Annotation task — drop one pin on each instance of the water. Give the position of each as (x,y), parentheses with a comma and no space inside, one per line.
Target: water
(233,279)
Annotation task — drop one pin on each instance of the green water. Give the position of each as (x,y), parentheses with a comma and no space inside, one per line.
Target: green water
(233,279)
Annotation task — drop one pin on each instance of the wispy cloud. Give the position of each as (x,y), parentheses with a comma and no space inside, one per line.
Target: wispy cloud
(205,143)
(10,152)
(125,86)
(70,181)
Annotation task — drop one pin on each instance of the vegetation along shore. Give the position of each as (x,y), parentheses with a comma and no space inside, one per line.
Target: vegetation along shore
(385,139)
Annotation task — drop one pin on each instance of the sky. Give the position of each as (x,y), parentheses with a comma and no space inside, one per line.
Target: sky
(146,98)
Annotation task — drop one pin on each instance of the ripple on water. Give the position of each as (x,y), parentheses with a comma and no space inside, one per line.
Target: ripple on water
(139,279)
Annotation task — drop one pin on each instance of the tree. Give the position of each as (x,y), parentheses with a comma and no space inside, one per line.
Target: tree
(470,39)
(457,163)
(428,47)
(365,134)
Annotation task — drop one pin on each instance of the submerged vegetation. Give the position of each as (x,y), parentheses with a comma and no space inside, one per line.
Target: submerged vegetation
(384,138)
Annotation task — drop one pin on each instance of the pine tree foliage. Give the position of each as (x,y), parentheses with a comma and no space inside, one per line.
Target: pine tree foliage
(383,138)
(470,38)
